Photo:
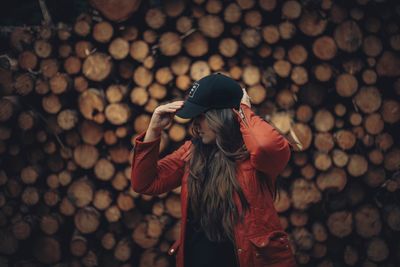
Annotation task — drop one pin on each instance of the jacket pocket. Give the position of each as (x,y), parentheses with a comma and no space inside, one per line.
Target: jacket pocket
(172,250)
(271,248)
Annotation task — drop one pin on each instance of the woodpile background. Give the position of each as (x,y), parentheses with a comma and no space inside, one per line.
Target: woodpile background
(73,97)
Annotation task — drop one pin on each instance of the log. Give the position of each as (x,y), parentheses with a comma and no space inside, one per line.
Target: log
(335,179)
(367,221)
(20,37)
(122,251)
(304,193)
(388,64)
(116,10)
(23,84)
(174,8)
(164,75)
(119,48)
(85,156)
(42,48)
(82,26)
(287,30)
(21,229)
(42,87)
(50,224)
(184,24)
(141,238)
(66,163)
(323,72)
(323,120)
(211,26)
(104,169)
(64,50)
(291,9)
(83,48)
(170,44)
(340,223)
(59,83)
(348,36)
(49,67)
(372,46)
(346,85)
(67,119)
(47,250)
(172,206)
(87,220)
(282,68)
(51,104)
(108,240)
(97,67)
(78,245)
(103,32)
(357,165)
(391,159)
(250,37)
(72,65)
(324,48)
(311,24)
(142,76)
(155,18)
(80,192)
(324,142)
(27,60)
(52,181)
(196,45)
(157,91)
(390,111)
(268,5)
(91,103)
(117,113)
(368,99)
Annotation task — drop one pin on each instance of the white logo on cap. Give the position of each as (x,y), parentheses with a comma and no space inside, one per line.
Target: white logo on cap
(193,89)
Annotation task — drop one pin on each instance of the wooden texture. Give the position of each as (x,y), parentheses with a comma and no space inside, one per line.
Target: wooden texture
(74,97)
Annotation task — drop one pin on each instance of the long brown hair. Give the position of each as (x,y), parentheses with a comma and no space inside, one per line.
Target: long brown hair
(212,179)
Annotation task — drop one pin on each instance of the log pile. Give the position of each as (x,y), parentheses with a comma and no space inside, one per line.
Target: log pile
(73,97)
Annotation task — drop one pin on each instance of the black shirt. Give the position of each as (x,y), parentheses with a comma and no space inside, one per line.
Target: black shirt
(201,252)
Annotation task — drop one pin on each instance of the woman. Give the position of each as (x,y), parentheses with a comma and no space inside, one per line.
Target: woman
(227,175)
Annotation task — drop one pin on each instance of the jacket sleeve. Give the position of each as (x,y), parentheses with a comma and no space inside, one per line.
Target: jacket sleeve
(269,150)
(151,175)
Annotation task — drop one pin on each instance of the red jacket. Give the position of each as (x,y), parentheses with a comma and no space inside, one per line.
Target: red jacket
(260,240)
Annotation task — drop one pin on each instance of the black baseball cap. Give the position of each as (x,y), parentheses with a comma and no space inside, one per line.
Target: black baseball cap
(213,91)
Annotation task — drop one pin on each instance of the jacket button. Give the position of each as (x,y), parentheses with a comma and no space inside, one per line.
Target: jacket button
(240,250)
(172,250)
(257,254)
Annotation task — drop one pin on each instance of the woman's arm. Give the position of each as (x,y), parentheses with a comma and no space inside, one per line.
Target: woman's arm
(269,150)
(152,176)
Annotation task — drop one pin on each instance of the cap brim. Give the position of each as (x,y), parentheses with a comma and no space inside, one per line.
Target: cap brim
(190,110)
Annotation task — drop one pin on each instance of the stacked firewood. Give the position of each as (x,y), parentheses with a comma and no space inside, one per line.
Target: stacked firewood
(73,97)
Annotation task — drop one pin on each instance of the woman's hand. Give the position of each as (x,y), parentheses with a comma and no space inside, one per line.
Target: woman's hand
(246,98)
(164,114)
(161,117)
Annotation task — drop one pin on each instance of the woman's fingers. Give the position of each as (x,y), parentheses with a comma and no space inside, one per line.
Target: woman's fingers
(164,114)
(246,98)
(173,107)
(176,104)
(170,107)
